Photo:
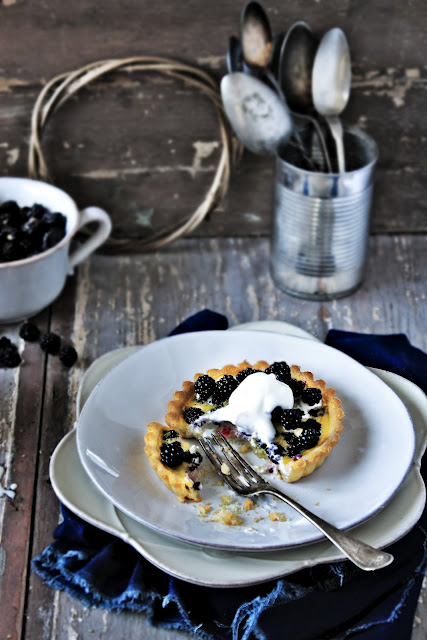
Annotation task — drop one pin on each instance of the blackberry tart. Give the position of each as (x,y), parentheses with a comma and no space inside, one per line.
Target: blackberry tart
(288,419)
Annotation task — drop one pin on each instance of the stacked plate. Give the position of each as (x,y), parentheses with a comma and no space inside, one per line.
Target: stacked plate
(370,481)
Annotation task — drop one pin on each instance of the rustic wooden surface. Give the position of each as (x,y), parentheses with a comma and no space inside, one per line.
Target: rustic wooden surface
(115,301)
(145,147)
(127,143)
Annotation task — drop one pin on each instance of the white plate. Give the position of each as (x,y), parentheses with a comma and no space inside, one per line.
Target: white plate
(74,488)
(360,476)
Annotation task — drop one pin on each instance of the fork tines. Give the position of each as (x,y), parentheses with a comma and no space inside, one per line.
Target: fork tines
(236,472)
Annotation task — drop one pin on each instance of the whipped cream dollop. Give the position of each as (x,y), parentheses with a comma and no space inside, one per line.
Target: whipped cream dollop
(250,405)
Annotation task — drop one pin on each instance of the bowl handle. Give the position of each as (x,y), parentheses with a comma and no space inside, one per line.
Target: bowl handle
(103,230)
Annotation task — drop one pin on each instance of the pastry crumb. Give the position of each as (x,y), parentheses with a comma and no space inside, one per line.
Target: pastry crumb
(226,499)
(249,504)
(276,516)
(204,509)
(228,517)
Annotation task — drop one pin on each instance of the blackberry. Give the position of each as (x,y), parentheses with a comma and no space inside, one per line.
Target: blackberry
(204,387)
(68,355)
(171,454)
(294,447)
(54,219)
(224,388)
(5,343)
(195,459)
(171,433)
(311,424)
(311,396)
(297,387)
(50,342)
(191,414)
(309,437)
(51,238)
(9,357)
(37,211)
(6,206)
(244,374)
(316,413)
(281,370)
(29,332)
(287,418)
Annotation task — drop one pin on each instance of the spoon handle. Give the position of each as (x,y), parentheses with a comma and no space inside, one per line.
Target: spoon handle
(335,126)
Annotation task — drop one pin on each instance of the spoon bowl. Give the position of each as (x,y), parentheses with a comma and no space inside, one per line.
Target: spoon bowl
(256,35)
(297,55)
(331,82)
(259,118)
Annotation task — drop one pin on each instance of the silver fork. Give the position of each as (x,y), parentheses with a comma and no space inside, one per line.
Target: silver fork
(241,477)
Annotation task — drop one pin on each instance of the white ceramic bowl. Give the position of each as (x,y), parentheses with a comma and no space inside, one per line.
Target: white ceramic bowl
(28,286)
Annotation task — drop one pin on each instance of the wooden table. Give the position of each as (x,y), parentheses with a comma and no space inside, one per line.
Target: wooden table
(115,301)
(145,148)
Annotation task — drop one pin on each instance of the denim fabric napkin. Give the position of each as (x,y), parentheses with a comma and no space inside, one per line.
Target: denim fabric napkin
(333,601)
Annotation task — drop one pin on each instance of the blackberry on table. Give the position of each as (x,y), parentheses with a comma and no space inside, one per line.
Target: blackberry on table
(287,418)
(281,370)
(311,395)
(29,332)
(242,375)
(50,342)
(171,454)
(171,433)
(191,414)
(204,387)
(224,388)
(68,355)
(9,357)
(5,343)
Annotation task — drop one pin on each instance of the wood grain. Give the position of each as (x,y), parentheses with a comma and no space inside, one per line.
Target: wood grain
(142,299)
(144,147)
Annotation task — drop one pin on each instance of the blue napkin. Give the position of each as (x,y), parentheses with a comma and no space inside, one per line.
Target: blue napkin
(332,601)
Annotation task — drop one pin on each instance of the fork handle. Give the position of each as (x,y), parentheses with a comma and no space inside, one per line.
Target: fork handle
(362,554)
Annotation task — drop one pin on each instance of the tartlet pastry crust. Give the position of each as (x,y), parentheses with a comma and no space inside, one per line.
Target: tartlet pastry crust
(177,479)
(290,469)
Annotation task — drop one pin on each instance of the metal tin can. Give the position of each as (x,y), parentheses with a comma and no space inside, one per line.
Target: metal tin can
(321,221)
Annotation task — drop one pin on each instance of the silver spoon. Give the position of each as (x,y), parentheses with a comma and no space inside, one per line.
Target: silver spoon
(259,118)
(295,68)
(331,82)
(257,42)
(256,36)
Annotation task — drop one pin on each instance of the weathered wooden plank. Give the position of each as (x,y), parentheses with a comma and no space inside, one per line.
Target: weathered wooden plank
(141,299)
(65,36)
(20,410)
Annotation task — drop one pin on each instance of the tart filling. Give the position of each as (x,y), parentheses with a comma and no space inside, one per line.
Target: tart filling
(287,418)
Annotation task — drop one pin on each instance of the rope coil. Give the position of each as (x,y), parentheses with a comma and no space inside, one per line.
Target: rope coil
(62,87)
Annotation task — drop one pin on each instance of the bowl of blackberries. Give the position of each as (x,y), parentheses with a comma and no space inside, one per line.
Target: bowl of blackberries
(38,221)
